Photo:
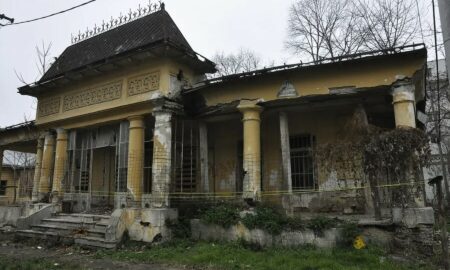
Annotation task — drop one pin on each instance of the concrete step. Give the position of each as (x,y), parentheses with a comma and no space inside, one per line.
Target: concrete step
(45,236)
(95,242)
(64,230)
(77,239)
(74,224)
(83,218)
(82,229)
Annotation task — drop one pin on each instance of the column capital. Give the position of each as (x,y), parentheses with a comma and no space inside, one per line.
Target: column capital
(61,134)
(40,142)
(136,121)
(402,90)
(249,105)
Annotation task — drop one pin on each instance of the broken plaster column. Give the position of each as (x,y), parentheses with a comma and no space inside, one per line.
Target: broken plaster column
(404,103)
(37,170)
(60,163)
(1,162)
(136,158)
(285,150)
(252,149)
(162,159)
(403,99)
(46,166)
(203,145)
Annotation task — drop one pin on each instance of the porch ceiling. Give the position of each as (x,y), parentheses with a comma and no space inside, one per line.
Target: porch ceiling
(21,137)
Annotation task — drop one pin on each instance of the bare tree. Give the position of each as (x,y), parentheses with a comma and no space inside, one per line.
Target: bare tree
(243,61)
(387,23)
(329,28)
(323,28)
(42,62)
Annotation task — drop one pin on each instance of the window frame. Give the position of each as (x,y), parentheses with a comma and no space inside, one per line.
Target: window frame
(296,169)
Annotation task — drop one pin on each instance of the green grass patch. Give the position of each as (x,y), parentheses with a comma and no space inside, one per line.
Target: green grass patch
(236,256)
(32,264)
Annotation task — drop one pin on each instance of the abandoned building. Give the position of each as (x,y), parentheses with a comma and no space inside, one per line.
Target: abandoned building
(128,120)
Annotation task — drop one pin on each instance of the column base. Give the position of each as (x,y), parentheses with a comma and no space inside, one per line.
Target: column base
(44,197)
(158,216)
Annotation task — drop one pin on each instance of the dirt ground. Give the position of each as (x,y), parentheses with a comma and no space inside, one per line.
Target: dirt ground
(70,255)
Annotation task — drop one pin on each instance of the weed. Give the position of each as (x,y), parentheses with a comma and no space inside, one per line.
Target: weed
(180,229)
(224,215)
(349,231)
(267,219)
(321,223)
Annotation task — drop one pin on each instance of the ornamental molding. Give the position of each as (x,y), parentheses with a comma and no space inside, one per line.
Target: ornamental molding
(96,95)
(49,106)
(287,89)
(143,83)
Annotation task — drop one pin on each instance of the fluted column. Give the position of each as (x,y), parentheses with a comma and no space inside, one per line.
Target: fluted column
(47,165)
(136,158)
(404,103)
(252,149)
(162,159)
(60,163)
(37,170)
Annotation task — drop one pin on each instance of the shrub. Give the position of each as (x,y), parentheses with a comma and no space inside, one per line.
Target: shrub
(180,229)
(321,223)
(349,231)
(295,224)
(224,214)
(267,219)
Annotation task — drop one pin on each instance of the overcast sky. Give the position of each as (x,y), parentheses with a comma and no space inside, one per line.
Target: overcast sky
(208,25)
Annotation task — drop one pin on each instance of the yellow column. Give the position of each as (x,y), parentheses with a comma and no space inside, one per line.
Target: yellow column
(404,103)
(136,158)
(60,163)
(46,166)
(252,149)
(37,170)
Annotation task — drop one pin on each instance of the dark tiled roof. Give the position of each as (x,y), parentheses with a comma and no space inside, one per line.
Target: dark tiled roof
(143,32)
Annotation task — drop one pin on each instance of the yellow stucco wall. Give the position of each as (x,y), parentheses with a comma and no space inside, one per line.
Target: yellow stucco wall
(316,80)
(8,174)
(327,127)
(103,108)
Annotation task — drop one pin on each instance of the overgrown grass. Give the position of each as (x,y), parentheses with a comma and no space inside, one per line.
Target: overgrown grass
(235,256)
(32,264)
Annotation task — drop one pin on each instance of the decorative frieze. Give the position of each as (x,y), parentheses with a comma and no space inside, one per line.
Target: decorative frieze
(96,95)
(48,106)
(143,83)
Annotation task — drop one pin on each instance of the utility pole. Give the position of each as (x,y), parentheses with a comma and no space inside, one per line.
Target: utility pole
(4,17)
(437,181)
(444,12)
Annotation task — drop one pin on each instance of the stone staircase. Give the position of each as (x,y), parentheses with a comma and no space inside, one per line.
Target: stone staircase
(83,229)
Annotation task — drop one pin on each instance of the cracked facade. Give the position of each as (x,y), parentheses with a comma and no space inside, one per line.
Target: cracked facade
(142,128)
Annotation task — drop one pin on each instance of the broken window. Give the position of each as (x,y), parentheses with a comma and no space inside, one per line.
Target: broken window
(3,187)
(302,163)
(122,157)
(239,167)
(148,159)
(185,151)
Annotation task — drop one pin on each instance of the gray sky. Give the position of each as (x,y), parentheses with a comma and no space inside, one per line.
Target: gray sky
(208,25)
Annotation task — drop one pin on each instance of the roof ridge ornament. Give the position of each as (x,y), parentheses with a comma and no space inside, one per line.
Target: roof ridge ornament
(120,20)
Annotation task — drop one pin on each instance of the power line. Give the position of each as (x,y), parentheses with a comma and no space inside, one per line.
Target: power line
(53,14)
